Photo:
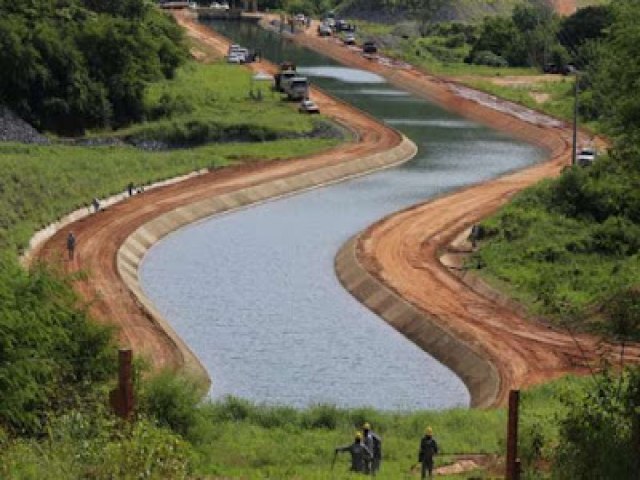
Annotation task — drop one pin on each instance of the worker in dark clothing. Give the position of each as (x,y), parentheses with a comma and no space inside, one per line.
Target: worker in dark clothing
(428,449)
(95,203)
(131,189)
(374,443)
(360,455)
(71,245)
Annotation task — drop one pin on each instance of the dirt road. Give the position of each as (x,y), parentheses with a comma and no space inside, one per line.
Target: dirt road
(99,236)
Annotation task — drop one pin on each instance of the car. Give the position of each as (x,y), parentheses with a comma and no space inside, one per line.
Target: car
(586,156)
(369,47)
(300,18)
(236,58)
(324,30)
(215,5)
(308,106)
(349,39)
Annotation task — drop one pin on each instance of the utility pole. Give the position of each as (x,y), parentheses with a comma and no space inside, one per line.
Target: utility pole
(513,462)
(122,400)
(575,117)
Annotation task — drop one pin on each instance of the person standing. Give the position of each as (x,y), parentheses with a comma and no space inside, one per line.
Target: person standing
(374,443)
(428,449)
(360,454)
(71,245)
(96,204)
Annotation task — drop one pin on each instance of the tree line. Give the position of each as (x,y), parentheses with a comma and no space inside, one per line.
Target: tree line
(70,65)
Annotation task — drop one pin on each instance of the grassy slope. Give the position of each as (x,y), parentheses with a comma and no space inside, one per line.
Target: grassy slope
(235,439)
(262,442)
(41,183)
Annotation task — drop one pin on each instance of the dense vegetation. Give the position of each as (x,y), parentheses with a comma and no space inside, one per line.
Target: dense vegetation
(569,248)
(83,63)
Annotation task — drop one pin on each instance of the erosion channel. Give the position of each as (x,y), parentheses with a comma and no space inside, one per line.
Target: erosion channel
(254,292)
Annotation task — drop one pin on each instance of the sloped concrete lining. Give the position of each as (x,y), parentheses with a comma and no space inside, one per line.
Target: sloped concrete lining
(132,251)
(478,373)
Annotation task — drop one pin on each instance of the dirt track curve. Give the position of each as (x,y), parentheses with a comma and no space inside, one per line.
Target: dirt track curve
(401,250)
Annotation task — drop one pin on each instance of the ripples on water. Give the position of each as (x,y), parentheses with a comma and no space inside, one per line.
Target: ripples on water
(254,292)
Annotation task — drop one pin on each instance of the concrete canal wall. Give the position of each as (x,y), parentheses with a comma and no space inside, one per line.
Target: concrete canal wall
(132,251)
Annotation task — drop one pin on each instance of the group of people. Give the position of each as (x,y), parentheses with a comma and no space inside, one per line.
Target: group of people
(366,452)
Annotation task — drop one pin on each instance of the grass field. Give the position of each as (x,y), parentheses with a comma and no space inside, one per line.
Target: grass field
(237,439)
(42,183)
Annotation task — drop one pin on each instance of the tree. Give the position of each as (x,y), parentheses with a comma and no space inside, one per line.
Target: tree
(615,74)
(424,11)
(599,436)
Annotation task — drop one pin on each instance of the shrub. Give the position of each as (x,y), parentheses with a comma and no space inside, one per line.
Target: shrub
(485,57)
(172,401)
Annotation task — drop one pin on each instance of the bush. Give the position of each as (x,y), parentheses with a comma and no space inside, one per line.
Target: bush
(600,434)
(616,236)
(485,57)
(172,401)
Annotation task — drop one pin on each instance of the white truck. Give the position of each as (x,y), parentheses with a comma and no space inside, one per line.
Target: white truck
(297,88)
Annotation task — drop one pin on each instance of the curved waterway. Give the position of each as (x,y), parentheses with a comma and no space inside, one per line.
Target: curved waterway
(254,292)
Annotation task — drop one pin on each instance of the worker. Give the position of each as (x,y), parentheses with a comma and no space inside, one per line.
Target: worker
(131,189)
(360,454)
(374,443)
(428,449)
(71,245)
(96,204)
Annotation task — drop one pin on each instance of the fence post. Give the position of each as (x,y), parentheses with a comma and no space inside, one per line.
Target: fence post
(122,400)
(513,462)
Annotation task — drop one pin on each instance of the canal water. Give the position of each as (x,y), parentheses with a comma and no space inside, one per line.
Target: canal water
(254,292)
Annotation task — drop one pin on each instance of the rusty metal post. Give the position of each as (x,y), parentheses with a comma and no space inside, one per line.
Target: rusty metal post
(122,399)
(513,463)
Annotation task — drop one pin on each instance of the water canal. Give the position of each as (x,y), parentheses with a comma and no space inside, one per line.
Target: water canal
(254,292)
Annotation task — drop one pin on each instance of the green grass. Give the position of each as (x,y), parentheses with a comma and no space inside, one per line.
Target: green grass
(42,183)
(240,440)
(237,439)
(559,264)
(211,102)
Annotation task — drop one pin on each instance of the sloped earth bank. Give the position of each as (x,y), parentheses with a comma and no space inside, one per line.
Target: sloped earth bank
(100,236)
(402,252)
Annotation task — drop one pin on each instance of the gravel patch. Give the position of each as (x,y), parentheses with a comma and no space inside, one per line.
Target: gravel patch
(14,129)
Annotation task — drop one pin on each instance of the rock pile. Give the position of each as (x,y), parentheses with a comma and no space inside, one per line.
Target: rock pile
(14,129)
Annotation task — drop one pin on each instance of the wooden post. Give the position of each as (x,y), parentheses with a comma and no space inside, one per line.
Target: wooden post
(513,463)
(122,399)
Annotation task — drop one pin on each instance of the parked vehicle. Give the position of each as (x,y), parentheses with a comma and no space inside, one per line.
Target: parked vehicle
(369,47)
(324,30)
(308,106)
(297,88)
(282,79)
(236,58)
(586,156)
(349,39)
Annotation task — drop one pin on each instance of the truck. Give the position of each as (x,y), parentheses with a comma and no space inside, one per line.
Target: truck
(287,71)
(297,88)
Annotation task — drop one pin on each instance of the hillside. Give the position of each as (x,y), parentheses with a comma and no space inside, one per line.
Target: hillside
(391,11)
